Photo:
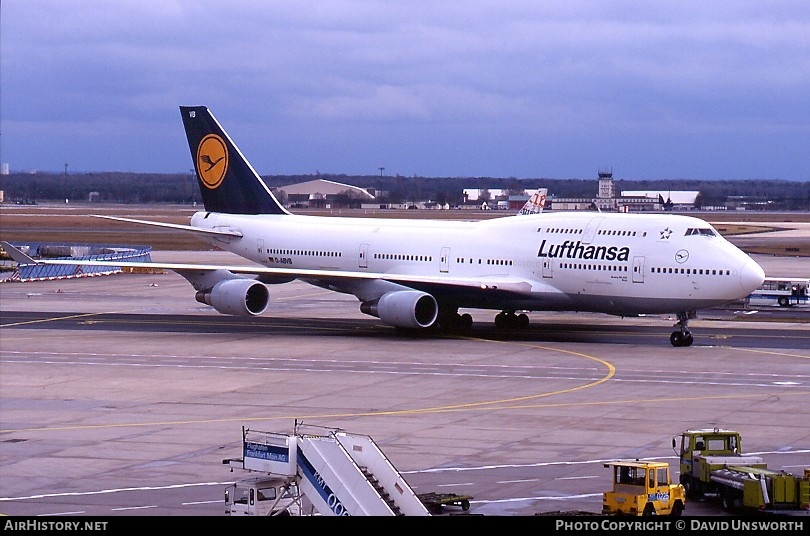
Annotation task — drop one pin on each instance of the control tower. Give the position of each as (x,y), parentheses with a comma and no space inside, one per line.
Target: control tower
(606,196)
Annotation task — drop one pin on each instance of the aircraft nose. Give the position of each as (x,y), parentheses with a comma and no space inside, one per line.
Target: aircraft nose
(751,276)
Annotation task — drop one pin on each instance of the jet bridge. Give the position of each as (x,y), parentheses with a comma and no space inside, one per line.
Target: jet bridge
(339,473)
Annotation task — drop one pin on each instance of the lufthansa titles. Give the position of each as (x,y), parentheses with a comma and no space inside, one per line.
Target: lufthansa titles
(578,250)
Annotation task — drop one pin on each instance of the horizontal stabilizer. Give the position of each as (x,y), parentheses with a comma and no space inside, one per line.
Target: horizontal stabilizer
(177,226)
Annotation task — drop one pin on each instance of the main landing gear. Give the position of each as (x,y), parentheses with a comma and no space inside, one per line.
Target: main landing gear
(682,337)
(510,320)
(452,322)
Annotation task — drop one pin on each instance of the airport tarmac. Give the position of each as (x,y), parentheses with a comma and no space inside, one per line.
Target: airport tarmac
(121,395)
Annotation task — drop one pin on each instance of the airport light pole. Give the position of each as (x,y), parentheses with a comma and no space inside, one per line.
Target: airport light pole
(65,185)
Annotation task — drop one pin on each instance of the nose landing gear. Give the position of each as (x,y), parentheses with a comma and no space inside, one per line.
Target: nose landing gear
(682,337)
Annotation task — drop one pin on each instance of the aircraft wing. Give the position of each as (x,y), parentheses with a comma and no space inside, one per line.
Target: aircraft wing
(491,284)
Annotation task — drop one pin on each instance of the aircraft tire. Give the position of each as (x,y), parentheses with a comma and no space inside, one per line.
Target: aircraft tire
(688,339)
(679,338)
(465,321)
(522,320)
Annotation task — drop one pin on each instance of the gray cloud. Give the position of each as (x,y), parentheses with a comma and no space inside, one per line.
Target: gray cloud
(528,89)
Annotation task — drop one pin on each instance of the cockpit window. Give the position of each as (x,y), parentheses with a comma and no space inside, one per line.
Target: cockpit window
(700,231)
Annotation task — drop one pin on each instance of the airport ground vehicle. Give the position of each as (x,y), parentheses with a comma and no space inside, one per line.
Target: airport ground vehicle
(318,471)
(263,496)
(643,488)
(784,292)
(712,466)
(436,502)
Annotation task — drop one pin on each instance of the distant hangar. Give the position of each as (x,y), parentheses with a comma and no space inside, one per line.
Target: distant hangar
(322,193)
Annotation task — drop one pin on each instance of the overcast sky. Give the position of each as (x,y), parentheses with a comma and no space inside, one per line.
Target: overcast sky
(529,89)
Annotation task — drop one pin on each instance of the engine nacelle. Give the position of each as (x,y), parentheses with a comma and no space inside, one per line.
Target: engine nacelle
(240,297)
(404,309)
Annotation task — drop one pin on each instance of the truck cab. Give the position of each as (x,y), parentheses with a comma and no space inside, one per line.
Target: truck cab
(643,489)
(702,451)
(713,466)
(263,496)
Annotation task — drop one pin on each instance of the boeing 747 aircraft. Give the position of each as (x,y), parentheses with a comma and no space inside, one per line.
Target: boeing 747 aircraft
(418,274)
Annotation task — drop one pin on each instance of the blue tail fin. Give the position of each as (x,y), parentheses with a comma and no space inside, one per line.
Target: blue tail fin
(228,182)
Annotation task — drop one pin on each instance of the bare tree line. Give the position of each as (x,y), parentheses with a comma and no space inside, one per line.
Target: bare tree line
(180,188)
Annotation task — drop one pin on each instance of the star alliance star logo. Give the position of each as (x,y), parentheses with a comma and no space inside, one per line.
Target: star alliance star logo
(666,233)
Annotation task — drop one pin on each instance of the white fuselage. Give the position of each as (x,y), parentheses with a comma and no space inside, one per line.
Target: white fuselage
(622,264)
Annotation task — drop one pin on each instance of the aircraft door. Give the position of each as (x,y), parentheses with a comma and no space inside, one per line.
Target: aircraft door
(638,269)
(548,265)
(362,256)
(445,261)
(260,246)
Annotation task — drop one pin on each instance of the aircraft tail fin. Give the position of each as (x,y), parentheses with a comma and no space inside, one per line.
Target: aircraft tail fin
(535,203)
(227,181)
(666,205)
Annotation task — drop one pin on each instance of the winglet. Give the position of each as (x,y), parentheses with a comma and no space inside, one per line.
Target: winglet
(16,254)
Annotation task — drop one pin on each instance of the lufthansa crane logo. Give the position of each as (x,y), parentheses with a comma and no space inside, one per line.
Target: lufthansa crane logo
(212,161)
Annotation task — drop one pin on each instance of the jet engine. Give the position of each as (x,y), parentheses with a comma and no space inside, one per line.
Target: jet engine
(404,309)
(240,297)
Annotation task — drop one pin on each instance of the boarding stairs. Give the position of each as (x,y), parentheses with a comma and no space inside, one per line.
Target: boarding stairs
(339,473)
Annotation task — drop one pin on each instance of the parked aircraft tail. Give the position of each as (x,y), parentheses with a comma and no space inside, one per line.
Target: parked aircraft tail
(228,182)
(666,205)
(535,203)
